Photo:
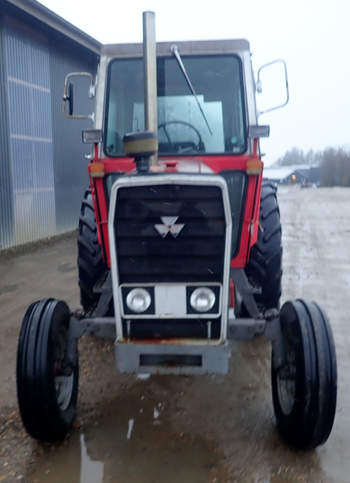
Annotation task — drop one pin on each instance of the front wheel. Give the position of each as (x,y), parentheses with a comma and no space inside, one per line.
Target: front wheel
(47,388)
(304,386)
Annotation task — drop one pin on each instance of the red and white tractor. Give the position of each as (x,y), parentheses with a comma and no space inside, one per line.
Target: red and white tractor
(179,245)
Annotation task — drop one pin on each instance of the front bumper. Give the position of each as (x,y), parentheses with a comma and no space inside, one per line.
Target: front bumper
(173,358)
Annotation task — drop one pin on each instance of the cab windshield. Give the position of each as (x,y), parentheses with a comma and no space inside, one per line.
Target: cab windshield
(182,127)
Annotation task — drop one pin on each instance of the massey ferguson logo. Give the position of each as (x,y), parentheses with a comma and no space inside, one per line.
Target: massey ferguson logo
(169,226)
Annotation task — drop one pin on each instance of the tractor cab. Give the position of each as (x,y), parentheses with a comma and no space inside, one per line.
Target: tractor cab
(201,103)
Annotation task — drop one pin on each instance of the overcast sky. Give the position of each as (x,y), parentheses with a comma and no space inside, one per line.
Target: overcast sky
(312,36)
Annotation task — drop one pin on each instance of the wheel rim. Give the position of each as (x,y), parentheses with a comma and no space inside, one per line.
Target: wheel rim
(64,383)
(286,382)
(64,389)
(286,392)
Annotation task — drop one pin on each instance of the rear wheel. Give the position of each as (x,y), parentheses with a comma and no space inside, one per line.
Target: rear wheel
(264,269)
(90,263)
(304,386)
(47,390)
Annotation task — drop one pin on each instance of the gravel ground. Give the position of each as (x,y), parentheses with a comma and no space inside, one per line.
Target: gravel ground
(215,429)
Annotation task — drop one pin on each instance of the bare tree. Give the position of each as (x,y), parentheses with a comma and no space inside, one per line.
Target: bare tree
(334,164)
(292,156)
(335,167)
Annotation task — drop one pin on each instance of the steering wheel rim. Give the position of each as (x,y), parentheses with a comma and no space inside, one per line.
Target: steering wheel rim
(200,144)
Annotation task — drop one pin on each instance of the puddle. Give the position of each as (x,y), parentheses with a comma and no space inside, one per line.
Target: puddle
(134,442)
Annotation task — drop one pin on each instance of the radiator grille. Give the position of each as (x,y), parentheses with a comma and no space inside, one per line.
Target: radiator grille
(196,254)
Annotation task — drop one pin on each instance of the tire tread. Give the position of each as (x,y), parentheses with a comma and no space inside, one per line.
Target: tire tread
(41,416)
(264,269)
(91,266)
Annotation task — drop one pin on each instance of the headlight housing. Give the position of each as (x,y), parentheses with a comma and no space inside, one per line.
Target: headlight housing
(138,300)
(202,299)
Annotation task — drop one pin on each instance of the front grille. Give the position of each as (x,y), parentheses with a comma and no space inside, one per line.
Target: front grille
(195,255)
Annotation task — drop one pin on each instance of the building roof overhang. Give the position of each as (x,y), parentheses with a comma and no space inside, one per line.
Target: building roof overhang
(59,24)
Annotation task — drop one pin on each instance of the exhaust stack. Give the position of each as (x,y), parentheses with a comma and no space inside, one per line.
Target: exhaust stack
(143,146)
(150,75)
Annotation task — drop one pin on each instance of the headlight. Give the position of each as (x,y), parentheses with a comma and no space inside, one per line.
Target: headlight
(138,300)
(202,299)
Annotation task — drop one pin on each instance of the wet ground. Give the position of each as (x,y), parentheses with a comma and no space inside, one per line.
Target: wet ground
(187,429)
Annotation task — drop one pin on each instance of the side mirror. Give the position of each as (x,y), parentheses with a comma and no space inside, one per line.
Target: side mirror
(272,67)
(70,98)
(68,95)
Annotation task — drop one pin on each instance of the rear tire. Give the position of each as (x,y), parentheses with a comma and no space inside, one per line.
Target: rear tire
(304,387)
(47,392)
(90,263)
(264,269)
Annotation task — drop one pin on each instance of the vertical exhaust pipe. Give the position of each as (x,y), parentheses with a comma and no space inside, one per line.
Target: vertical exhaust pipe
(143,146)
(150,75)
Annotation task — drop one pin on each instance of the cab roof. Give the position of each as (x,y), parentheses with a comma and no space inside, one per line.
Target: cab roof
(193,47)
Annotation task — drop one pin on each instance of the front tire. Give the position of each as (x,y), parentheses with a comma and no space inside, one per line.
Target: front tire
(47,391)
(304,386)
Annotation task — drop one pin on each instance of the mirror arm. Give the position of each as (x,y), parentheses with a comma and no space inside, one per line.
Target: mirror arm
(259,85)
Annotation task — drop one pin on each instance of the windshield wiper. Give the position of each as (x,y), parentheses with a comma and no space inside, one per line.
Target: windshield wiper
(176,53)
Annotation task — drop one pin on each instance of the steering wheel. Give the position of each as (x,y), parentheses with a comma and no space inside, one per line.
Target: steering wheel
(181,146)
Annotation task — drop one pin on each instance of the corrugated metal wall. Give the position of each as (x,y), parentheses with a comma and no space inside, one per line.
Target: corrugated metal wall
(43,172)
(6,192)
(70,166)
(27,63)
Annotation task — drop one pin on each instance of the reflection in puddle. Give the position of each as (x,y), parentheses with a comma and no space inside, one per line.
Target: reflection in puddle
(130,445)
(130,428)
(91,471)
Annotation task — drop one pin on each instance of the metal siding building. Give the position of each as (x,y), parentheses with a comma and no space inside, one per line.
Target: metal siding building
(43,171)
